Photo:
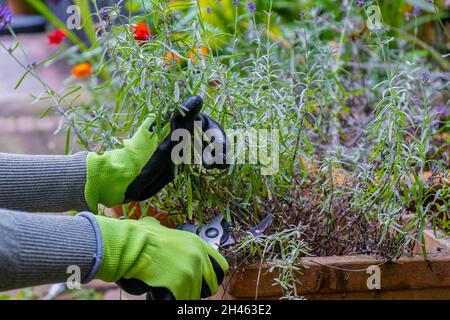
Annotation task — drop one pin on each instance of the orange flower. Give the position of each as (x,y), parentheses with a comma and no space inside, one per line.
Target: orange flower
(172,59)
(83,70)
(198,51)
(141,31)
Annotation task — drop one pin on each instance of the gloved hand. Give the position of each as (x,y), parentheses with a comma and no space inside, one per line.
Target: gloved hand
(159,257)
(144,166)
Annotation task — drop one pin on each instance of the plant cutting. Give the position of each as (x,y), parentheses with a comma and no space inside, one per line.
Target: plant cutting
(355,124)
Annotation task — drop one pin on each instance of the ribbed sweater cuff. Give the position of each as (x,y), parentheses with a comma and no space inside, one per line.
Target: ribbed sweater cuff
(43,183)
(38,249)
(99,253)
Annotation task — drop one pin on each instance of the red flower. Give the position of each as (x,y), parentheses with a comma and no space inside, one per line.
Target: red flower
(141,32)
(56,37)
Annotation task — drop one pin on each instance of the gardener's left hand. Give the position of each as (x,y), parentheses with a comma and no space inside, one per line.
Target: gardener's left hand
(144,165)
(143,256)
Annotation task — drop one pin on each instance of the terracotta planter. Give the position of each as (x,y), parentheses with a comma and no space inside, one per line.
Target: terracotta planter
(20,7)
(345,277)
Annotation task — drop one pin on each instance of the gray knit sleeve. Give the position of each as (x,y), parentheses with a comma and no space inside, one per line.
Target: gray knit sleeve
(38,249)
(43,183)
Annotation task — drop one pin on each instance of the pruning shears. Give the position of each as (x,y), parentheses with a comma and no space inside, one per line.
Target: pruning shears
(218,234)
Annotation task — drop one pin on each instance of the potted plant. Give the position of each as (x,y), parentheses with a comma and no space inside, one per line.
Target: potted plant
(344,124)
(361,276)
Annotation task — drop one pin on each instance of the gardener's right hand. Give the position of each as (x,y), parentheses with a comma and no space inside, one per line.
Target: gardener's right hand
(158,257)
(144,165)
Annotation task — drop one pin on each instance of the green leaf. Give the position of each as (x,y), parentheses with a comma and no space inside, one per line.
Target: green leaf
(67,149)
(45,112)
(190,198)
(176,92)
(21,79)
(86,16)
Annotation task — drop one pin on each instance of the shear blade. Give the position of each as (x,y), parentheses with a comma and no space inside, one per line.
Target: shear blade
(262,226)
(255,231)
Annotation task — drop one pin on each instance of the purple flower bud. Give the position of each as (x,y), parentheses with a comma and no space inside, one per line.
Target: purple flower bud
(104,15)
(208,9)
(236,3)
(251,7)
(416,11)
(5,17)
(360,3)
(302,15)
(425,77)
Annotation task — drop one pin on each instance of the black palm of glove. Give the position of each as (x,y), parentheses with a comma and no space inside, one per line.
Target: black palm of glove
(159,170)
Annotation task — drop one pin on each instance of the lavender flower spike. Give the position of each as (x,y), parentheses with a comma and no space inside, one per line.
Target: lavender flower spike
(425,77)
(104,15)
(5,17)
(360,3)
(251,7)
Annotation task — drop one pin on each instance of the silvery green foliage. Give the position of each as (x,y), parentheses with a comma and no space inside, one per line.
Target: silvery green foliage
(361,119)
(355,110)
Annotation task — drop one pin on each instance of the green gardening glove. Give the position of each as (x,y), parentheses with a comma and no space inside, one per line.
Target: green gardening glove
(144,166)
(159,257)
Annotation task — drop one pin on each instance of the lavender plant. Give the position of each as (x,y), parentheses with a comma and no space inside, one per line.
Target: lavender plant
(355,111)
